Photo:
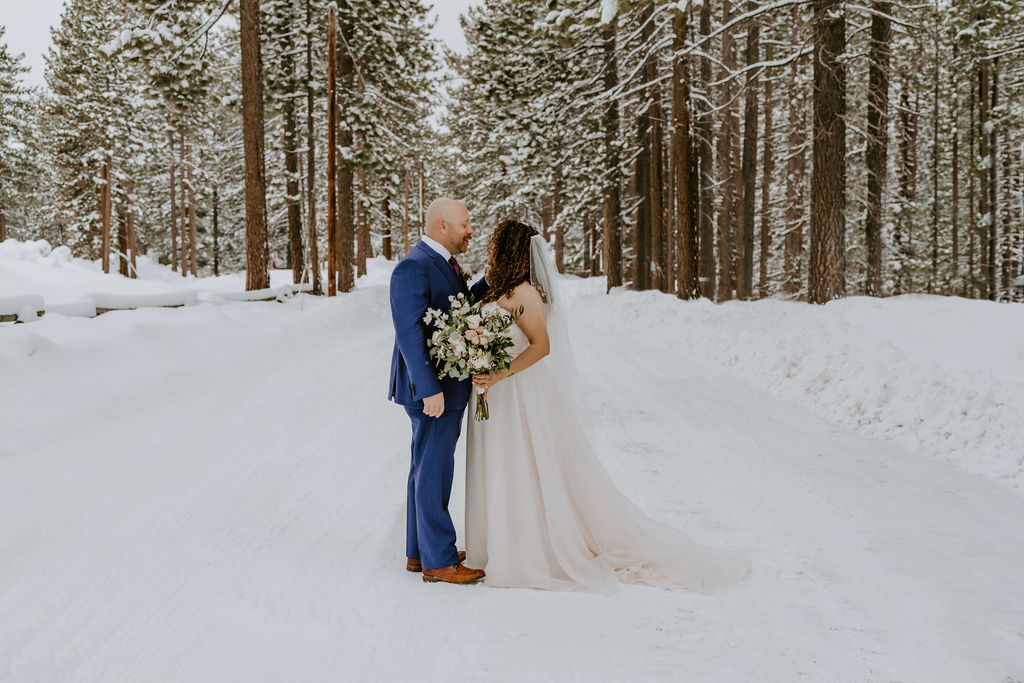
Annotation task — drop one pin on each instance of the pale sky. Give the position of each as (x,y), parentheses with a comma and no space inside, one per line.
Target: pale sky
(28,28)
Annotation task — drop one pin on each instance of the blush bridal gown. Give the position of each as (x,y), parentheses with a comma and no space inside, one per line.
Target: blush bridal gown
(541,510)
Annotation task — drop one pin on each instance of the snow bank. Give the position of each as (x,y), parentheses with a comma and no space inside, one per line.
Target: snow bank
(76,286)
(21,305)
(940,375)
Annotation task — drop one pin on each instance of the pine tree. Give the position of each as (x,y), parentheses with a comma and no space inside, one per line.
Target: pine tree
(14,113)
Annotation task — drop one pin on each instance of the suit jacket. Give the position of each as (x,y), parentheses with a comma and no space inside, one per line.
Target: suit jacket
(422,280)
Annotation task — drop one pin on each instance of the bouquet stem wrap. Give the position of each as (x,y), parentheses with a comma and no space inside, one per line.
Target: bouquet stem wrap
(482,412)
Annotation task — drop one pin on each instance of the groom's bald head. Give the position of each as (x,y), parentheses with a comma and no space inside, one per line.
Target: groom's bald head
(448,224)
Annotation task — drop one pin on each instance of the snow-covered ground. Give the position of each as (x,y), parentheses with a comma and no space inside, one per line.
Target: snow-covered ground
(216,492)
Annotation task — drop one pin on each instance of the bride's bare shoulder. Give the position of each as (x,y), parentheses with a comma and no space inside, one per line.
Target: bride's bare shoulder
(525,295)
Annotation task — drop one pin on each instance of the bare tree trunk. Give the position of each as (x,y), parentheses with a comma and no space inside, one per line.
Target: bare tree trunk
(291,169)
(385,243)
(795,174)
(134,273)
(405,220)
(685,164)
(984,208)
(955,227)
(183,224)
(934,275)
(256,247)
(362,223)
(993,201)
(3,219)
(332,151)
(972,234)
(556,211)
(545,216)
(314,250)
(640,269)
(105,211)
(346,218)
(706,241)
(174,205)
(1007,270)
(727,211)
(827,268)
(192,237)
(612,226)
(766,183)
(346,199)
(877,141)
(216,233)
(588,246)
(657,268)
(423,206)
(122,242)
(748,168)
(669,194)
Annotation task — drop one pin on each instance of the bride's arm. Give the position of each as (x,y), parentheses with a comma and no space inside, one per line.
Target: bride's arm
(531,322)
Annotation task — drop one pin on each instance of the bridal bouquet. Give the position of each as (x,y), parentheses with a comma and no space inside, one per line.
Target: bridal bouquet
(470,340)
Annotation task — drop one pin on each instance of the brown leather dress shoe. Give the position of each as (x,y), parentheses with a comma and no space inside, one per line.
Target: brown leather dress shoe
(456,573)
(413,564)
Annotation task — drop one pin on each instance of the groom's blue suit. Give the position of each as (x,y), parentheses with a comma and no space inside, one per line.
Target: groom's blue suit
(421,280)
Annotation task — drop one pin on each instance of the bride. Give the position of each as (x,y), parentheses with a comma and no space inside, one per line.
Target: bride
(541,511)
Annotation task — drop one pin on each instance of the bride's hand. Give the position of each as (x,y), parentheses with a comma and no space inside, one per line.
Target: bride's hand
(488,380)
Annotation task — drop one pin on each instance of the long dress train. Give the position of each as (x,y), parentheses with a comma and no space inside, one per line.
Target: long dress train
(542,512)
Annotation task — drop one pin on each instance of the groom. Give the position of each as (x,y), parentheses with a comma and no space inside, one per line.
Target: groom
(425,278)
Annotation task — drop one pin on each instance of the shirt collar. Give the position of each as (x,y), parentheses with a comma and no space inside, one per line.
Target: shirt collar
(445,254)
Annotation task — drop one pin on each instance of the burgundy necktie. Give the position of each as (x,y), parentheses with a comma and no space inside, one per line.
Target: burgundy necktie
(455,266)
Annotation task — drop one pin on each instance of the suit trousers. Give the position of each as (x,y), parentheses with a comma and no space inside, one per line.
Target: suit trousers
(430,533)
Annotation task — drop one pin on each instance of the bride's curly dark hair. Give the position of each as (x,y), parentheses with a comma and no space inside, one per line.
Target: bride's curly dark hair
(508,258)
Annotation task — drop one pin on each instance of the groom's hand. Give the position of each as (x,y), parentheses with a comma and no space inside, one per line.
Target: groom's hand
(433,406)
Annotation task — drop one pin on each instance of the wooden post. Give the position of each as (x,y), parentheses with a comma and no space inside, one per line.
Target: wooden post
(332,151)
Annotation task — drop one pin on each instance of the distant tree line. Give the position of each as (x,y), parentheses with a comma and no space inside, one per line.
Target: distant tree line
(808,149)
(742,149)
(138,143)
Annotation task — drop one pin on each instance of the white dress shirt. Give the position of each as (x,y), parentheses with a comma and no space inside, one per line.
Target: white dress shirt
(445,254)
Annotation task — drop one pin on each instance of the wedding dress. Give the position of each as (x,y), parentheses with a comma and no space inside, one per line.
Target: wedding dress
(541,510)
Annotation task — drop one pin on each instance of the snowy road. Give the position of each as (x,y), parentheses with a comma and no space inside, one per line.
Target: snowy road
(216,494)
